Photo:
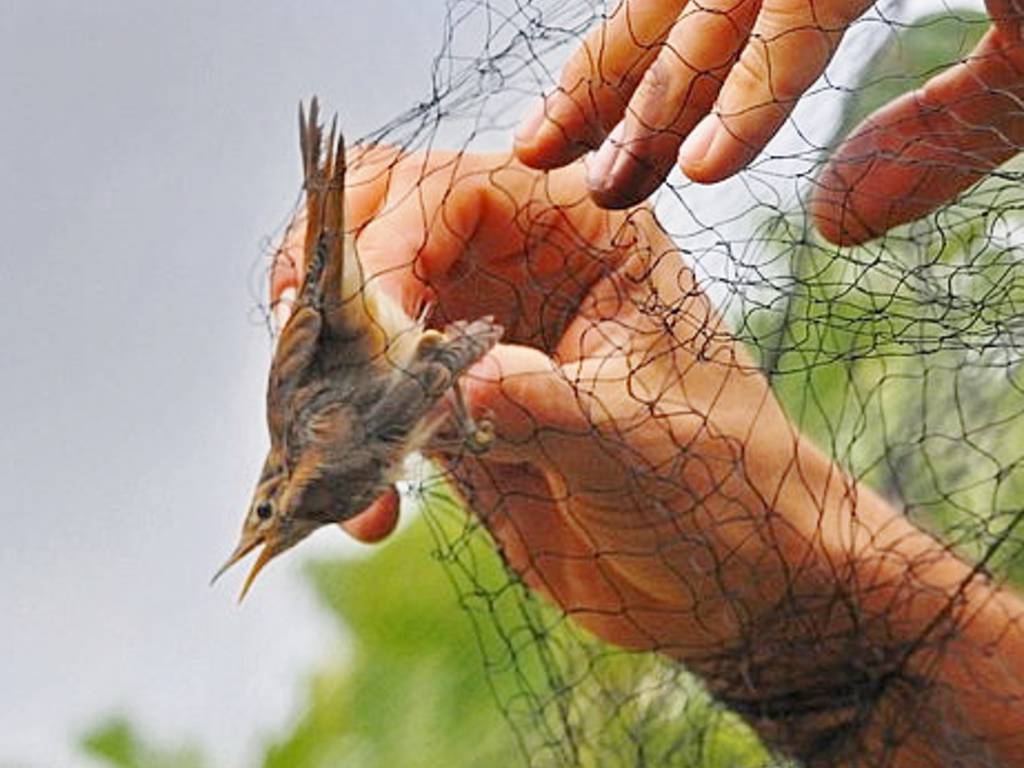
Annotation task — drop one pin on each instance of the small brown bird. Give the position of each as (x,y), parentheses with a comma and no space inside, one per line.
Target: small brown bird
(355,385)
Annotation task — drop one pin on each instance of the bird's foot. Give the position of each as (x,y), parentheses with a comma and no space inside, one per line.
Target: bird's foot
(477,436)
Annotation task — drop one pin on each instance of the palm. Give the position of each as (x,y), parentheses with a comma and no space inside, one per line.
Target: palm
(634,460)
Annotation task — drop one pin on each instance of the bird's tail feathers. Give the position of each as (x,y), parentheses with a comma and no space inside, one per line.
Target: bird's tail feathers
(363,322)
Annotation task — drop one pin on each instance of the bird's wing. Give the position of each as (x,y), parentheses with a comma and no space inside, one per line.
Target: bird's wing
(465,342)
(429,376)
(363,323)
(296,349)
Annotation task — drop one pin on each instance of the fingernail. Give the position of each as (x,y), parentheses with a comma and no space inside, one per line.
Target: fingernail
(697,145)
(530,125)
(601,164)
(283,307)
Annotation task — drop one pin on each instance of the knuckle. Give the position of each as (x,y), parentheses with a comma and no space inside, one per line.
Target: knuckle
(779,70)
(748,78)
(671,93)
(708,38)
(654,91)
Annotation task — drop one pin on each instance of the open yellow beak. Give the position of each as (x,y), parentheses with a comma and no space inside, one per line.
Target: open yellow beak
(245,546)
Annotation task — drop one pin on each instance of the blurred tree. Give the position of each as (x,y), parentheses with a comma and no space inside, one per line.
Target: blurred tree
(412,692)
(897,356)
(117,743)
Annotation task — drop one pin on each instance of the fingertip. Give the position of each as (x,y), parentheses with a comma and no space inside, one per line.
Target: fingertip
(481,384)
(530,125)
(626,194)
(886,172)
(377,521)
(710,153)
(548,152)
(622,173)
(554,133)
(503,364)
(617,200)
(696,148)
(835,211)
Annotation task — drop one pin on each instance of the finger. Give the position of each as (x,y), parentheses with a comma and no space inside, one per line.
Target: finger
(422,228)
(595,84)
(442,211)
(491,237)
(472,235)
(677,90)
(539,246)
(921,150)
(524,395)
(392,205)
(792,42)
(378,521)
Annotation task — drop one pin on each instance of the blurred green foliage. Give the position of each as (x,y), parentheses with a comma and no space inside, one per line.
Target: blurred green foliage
(117,743)
(411,691)
(898,357)
(899,361)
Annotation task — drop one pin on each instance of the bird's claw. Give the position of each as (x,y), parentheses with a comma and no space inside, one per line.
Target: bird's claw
(480,436)
(477,435)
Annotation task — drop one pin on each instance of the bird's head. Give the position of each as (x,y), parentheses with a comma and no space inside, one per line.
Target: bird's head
(270,522)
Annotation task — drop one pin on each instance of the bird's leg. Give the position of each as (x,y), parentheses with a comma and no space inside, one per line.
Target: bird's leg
(477,435)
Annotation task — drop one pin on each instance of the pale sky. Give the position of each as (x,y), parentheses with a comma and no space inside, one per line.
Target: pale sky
(148,155)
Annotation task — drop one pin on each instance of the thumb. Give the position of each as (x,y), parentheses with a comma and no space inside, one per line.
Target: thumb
(523,393)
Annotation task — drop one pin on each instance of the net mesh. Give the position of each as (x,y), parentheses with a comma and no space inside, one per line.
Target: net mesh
(679,588)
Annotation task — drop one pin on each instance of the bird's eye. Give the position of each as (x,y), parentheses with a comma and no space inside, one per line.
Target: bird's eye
(264,510)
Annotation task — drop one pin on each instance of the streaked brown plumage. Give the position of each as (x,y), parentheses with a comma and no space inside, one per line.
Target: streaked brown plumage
(355,383)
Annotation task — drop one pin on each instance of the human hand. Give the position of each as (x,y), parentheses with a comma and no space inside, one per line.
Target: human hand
(925,147)
(413,225)
(638,451)
(722,75)
(713,81)
(644,478)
